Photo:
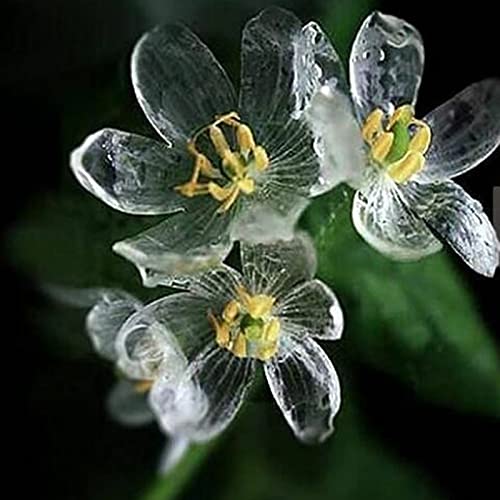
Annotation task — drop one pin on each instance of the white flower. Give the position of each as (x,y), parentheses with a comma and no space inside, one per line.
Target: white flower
(227,323)
(228,168)
(147,355)
(406,202)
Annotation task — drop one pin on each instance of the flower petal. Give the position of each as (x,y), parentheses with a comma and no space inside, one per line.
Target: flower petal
(146,344)
(382,218)
(106,317)
(184,244)
(276,268)
(458,219)
(218,286)
(311,309)
(386,64)
(465,130)
(339,142)
(178,82)
(306,388)
(207,398)
(283,64)
(128,406)
(131,173)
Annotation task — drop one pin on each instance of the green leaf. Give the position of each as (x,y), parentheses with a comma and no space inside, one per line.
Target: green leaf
(416,321)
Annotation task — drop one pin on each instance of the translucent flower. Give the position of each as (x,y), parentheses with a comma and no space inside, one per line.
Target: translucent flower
(406,203)
(227,323)
(228,168)
(147,355)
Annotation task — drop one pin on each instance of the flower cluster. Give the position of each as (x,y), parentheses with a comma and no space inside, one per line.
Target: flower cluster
(242,170)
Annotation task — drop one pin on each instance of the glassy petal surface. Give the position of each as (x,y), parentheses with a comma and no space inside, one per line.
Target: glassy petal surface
(465,130)
(184,244)
(178,82)
(131,173)
(207,398)
(383,219)
(459,220)
(386,64)
(305,387)
(276,268)
(218,286)
(127,406)
(311,309)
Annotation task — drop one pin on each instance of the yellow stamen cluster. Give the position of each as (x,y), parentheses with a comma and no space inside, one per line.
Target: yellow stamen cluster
(235,172)
(392,146)
(142,386)
(247,327)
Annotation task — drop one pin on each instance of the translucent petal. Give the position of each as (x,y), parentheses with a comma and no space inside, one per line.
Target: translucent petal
(207,398)
(386,64)
(458,219)
(128,406)
(311,309)
(270,215)
(178,82)
(172,453)
(339,143)
(184,244)
(306,388)
(382,218)
(146,346)
(104,320)
(276,268)
(176,323)
(217,286)
(281,66)
(465,130)
(131,173)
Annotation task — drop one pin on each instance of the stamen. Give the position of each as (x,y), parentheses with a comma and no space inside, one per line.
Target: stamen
(409,165)
(245,139)
(372,125)
(382,145)
(143,386)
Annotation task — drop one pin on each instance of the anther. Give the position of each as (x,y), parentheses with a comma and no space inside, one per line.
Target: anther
(218,140)
(381,146)
(421,140)
(372,126)
(404,114)
(409,165)
(245,139)
(261,160)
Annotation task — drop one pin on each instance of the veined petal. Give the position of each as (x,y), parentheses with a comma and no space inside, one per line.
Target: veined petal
(311,309)
(386,64)
(458,219)
(465,130)
(305,387)
(146,346)
(184,244)
(276,268)
(282,65)
(177,325)
(339,144)
(383,220)
(207,398)
(131,173)
(218,286)
(128,406)
(106,317)
(178,82)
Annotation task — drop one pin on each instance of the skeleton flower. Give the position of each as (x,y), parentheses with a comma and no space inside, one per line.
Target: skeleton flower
(148,356)
(227,168)
(406,202)
(227,323)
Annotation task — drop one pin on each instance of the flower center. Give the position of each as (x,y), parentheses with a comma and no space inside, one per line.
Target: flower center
(247,327)
(399,144)
(236,171)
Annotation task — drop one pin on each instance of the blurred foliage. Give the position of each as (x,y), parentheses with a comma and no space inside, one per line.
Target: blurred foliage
(416,321)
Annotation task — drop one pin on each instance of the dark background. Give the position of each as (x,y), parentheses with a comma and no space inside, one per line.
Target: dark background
(60,441)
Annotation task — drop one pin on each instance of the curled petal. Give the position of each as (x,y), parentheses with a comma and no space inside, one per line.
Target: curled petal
(128,406)
(311,309)
(184,244)
(386,64)
(305,387)
(383,219)
(178,82)
(276,268)
(459,220)
(131,173)
(205,401)
(465,130)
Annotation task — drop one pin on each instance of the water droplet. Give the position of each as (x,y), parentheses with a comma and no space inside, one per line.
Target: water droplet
(381,55)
